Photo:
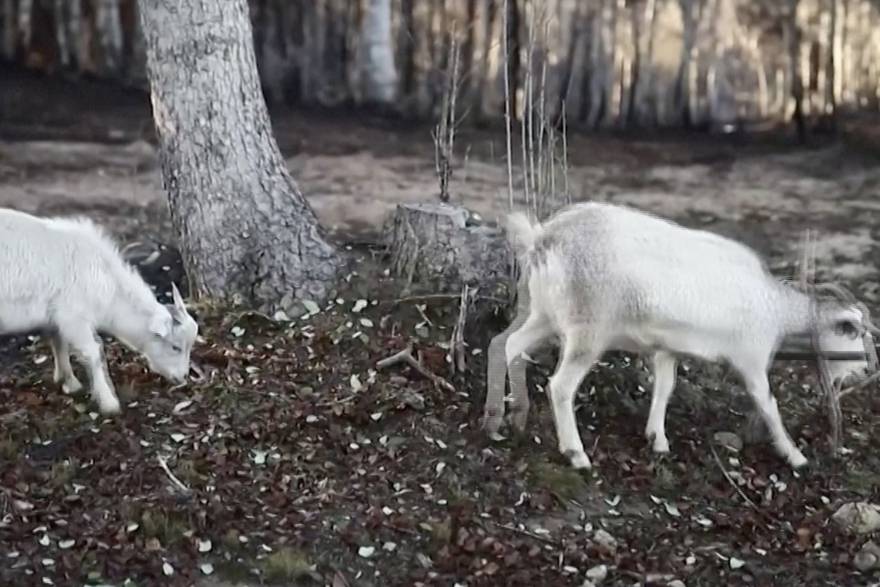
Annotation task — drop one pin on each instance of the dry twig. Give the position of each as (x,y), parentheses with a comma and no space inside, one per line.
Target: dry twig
(457,354)
(444,133)
(733,484)
(405,356)
(174,480)
(526,533)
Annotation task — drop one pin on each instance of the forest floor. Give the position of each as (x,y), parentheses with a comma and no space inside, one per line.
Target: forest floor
(305,464)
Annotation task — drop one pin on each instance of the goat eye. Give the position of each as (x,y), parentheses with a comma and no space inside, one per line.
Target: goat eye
(846,328)
(176,349)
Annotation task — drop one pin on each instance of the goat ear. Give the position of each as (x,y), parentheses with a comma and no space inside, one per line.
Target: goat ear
(178,299)
(160,325)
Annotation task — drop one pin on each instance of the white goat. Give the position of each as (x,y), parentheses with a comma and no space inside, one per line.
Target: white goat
(603,277)
(65,277)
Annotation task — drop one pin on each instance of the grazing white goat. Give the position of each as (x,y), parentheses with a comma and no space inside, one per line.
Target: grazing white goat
(66,278)
(604,277)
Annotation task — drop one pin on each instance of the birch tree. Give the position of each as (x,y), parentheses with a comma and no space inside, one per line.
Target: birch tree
(244,228)
(378,74)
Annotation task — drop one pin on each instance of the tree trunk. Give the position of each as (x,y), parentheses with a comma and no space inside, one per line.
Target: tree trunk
(246,232)
(832,58)
(378,74)
(407,48)
(794,56)
(576,65)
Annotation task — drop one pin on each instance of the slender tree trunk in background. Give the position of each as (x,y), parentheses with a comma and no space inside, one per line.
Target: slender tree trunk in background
(514,56)
(794,56)
(109,28)
(647,96)
(682,97)
(612,97)
(632,112)
(378,74)
(490,57)
(577,65)
(830,59)
(407,48)
(246,232)
(468,80)
(599,66)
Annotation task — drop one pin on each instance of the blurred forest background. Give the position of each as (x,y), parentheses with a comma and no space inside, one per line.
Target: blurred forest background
(712,64)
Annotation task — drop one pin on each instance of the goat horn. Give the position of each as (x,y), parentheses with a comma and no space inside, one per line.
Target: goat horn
(836,290)
(860,384)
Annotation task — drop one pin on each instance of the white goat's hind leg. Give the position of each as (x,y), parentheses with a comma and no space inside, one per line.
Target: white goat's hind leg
(535,330)
(88,345)
(63,369)
(664,382)
(519,393)
(574,365)
(755,378)
(530,335)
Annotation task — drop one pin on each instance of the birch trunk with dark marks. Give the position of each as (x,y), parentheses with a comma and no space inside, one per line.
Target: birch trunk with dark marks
(246,233)
(377,70)
(794,55)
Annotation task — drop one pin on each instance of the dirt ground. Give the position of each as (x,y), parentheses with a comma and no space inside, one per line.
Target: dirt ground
(307,465)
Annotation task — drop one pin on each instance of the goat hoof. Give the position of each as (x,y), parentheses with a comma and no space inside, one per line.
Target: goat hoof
(72,386)
(661,445)
(110,408)
(492,424)
(797,460)
(518,420)
(578,459)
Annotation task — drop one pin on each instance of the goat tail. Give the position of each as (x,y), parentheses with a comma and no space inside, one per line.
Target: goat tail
(522,232)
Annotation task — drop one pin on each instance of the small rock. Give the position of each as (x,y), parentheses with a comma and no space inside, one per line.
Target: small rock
(588,583)
(729,440)
(413,399)
(597,574)
(859,517)
(676,583)
(606,541)
(868,558)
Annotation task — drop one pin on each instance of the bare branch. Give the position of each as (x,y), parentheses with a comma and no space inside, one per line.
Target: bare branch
(405,356)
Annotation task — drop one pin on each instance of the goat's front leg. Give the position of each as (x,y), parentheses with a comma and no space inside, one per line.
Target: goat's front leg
(758,387)
(63,370)
(85,341)
(664,383)
(574,365)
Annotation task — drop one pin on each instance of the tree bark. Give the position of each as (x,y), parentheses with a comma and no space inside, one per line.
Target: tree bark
(378,74)
(246,232)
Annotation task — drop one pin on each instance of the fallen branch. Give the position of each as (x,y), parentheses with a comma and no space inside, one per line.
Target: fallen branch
(733,484)
(531,535)
(446,296)
(405,356)
(174,480)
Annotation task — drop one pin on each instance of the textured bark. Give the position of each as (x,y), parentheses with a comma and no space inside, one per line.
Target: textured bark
(436,247)
(245,230)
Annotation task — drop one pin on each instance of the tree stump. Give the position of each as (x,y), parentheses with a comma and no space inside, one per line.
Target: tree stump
(437,246)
